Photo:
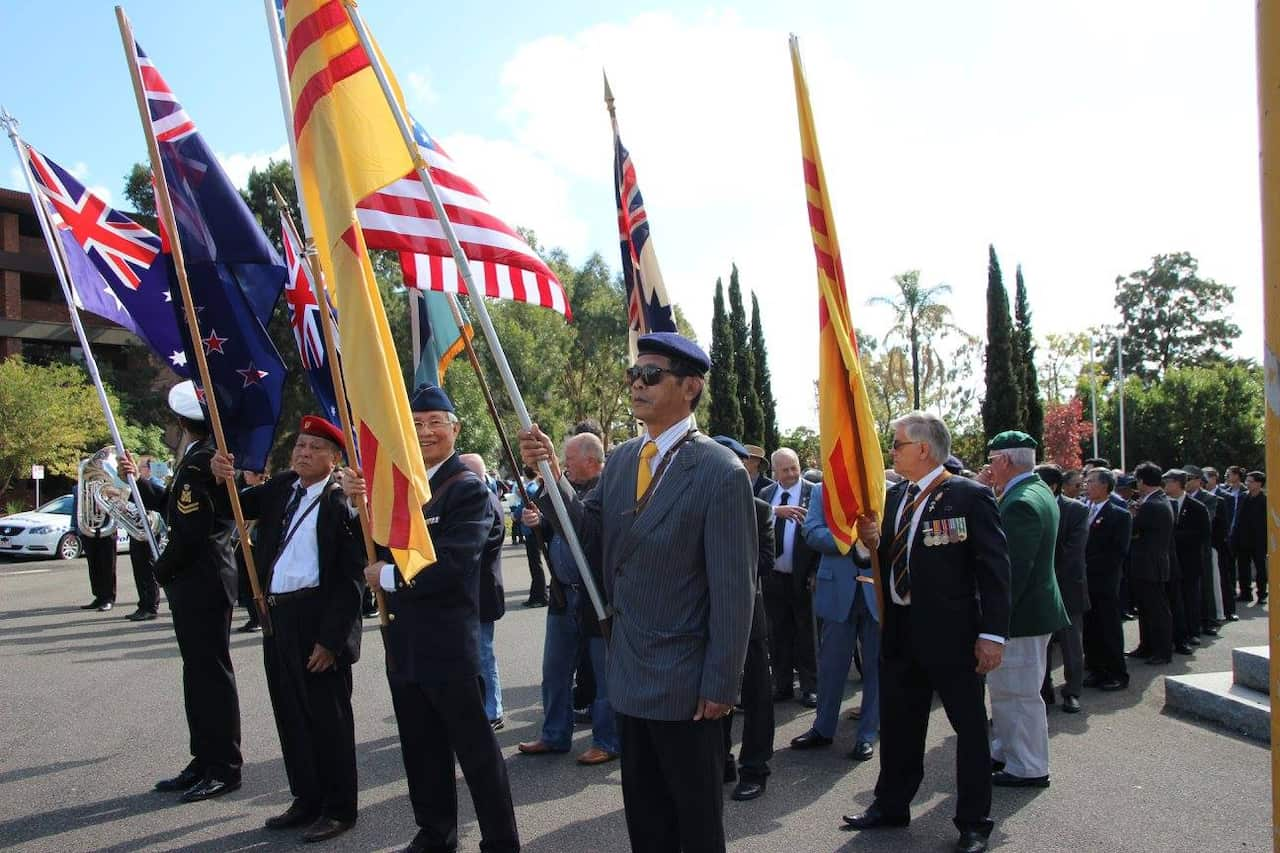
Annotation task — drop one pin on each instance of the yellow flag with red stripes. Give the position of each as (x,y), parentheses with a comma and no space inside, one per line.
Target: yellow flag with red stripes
(348,147)
(852,463)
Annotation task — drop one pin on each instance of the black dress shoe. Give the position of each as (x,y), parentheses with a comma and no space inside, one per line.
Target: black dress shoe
(873,818)
(971,841)
(996,766)
(208,788)
(862,751)
(1008,780)
(1193,640)
(1139,652)
(1209,631)
(498,724)
(1159,661)
(254,624)
(810,740)
(1092,680)
(1113,684)
(181,782)
(809,699)
(1231,617)
(1183,649)
(1262,599)
(534,602)
(747,789)
(1071,704)
(325,828)
(298,814)
(105,606)
(92,605)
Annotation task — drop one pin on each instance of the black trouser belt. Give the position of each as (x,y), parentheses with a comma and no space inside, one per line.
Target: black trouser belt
(278,598)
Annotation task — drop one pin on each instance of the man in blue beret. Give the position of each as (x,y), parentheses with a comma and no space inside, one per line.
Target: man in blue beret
(674,520)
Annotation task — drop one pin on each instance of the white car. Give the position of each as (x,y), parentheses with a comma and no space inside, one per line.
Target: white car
(46,532)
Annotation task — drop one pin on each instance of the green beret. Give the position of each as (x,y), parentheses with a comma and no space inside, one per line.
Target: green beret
(1012,439)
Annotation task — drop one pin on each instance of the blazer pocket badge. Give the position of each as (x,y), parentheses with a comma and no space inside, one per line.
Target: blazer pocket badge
(187,503)
(945,531)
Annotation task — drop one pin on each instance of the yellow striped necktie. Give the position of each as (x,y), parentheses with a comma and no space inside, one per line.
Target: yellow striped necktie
(644,473)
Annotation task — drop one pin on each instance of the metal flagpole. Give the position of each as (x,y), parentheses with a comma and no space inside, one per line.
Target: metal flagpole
(1120,381)
(477,300)
(1093,395)
(1269,127)
(164,210)
(64,278)
(318,290)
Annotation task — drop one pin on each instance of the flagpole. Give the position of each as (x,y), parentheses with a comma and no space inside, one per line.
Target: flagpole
(60,265)
(319,291)
(164,210)
(477,300)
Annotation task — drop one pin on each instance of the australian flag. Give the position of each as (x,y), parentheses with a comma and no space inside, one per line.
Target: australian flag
(234,272)
(648,306)
(117,268)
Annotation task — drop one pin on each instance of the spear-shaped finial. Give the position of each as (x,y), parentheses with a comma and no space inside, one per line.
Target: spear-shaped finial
(608,94)
(10,123)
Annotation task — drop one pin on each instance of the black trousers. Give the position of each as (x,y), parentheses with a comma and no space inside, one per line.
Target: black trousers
(100,554)
(312,711)
(1227,578)
(1251,567)
(907,685)
(203,629)
(1189,587)
(1155,620)
(1104,630)
(584,677)
(757,715)
(144,575)
(537,574)
(672,784)
(437,722)
(790,609)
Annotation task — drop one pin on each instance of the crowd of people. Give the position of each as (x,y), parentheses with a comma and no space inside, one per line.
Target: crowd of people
(725,592)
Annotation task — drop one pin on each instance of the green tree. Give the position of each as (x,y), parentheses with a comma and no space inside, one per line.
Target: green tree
(725,415)
(1172,317)
(1003,401)
(1024,363)
(744,366)
(137,189)
(806,443)
(1065,356)
(261,199)
(764,382)
(918,315)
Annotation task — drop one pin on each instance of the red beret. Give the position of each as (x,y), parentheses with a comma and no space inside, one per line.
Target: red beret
(318,426)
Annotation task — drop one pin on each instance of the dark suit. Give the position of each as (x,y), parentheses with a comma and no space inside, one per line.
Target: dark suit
(1223,514)
(789,604)
(757,684)
(958,591)
(1191,534)
(1225,529)
(434,671)
(1208,590)
(198,574)
(312,709)
(1105,550)
(760,483)
(1251,543)
(1073,586)
(1150,570)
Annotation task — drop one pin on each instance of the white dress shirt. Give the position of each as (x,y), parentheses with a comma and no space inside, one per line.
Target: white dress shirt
(783,561)
(387,577)
(298,566)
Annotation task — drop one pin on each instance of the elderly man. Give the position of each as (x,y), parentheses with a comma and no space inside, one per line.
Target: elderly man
(944,570)
(1192,531)
(1150,558)
(1069,566)
(310,561)
(788,595)
(436,684)
(1211,612)
(1029,515)
(755,468)
(570,620)
(674,519)
(1106,547)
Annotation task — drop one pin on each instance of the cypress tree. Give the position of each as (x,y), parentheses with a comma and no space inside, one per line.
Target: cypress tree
(724,418)
(1003,402)
(1025,353)
(764,383)
(744,366)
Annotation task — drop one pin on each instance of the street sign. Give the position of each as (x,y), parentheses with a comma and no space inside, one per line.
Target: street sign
(37,472)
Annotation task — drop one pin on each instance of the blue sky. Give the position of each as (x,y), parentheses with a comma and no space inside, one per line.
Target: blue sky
(1079,139)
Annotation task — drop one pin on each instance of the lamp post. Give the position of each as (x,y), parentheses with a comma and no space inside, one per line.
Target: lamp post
(1093,395)
(1120,381)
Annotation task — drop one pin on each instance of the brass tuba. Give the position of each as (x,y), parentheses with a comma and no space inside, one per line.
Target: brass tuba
(104,499)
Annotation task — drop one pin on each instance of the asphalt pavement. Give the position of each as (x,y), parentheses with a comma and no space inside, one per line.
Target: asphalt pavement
(91,716)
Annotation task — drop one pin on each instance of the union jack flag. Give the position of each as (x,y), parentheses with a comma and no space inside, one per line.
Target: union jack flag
(304,317)
(648,307)
(126,255)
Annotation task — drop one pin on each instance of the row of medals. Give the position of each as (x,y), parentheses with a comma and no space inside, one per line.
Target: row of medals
(945,531)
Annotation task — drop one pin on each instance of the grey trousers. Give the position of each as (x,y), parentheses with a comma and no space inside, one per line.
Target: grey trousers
(1071,640)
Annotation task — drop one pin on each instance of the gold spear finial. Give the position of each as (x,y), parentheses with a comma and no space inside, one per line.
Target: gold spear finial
(608,94)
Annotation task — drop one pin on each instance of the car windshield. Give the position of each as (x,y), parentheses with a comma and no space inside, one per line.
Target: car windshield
(58,506)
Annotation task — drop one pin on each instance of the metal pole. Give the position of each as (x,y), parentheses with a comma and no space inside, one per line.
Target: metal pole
(1093,381)
(90,363)
(1120,382)
(477,300)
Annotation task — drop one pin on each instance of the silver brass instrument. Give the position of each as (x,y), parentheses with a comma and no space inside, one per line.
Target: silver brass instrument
(104,499)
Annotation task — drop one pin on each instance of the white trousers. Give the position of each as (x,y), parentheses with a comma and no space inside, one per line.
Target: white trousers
(1217,586)
(1019,725)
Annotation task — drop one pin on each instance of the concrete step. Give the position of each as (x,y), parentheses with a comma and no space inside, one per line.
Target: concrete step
(1251,666)
(1214,697)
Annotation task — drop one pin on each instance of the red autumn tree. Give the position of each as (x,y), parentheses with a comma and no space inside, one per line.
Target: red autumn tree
(1064,429)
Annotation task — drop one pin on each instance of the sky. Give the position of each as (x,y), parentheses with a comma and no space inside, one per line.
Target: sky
(1080,139)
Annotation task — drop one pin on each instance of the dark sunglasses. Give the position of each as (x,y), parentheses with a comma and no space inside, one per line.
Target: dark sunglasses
(649,374)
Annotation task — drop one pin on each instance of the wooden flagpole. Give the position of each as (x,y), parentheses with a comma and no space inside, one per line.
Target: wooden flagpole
(164,209)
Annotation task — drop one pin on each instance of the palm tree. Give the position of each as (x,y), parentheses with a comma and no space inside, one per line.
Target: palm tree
(918,315)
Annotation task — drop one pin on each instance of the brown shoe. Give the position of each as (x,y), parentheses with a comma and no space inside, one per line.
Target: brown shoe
(538,747)
(596,755)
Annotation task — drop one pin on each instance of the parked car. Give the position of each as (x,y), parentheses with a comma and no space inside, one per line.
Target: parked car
(46,532)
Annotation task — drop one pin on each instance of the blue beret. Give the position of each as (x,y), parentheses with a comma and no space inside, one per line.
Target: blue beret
(676,347)
(953,465)
(430,398)
(733,445)
(1127,481)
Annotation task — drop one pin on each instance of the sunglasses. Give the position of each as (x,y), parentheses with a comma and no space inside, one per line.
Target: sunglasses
(649,374)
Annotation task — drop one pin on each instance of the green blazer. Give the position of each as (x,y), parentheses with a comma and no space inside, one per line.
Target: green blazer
(1029,514)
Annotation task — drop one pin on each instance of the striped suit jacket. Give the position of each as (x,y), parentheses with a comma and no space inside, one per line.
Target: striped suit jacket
(680,576)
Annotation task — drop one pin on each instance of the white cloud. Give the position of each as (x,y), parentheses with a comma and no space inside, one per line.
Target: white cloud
(17,180)
(101,191)
(239,165)
(420,93)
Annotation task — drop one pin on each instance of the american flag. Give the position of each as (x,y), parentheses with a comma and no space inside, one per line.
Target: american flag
(648,307)
(400,217)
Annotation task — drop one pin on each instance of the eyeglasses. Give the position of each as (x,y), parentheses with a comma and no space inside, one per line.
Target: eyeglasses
(433,423)
(649,374)
(898,445)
